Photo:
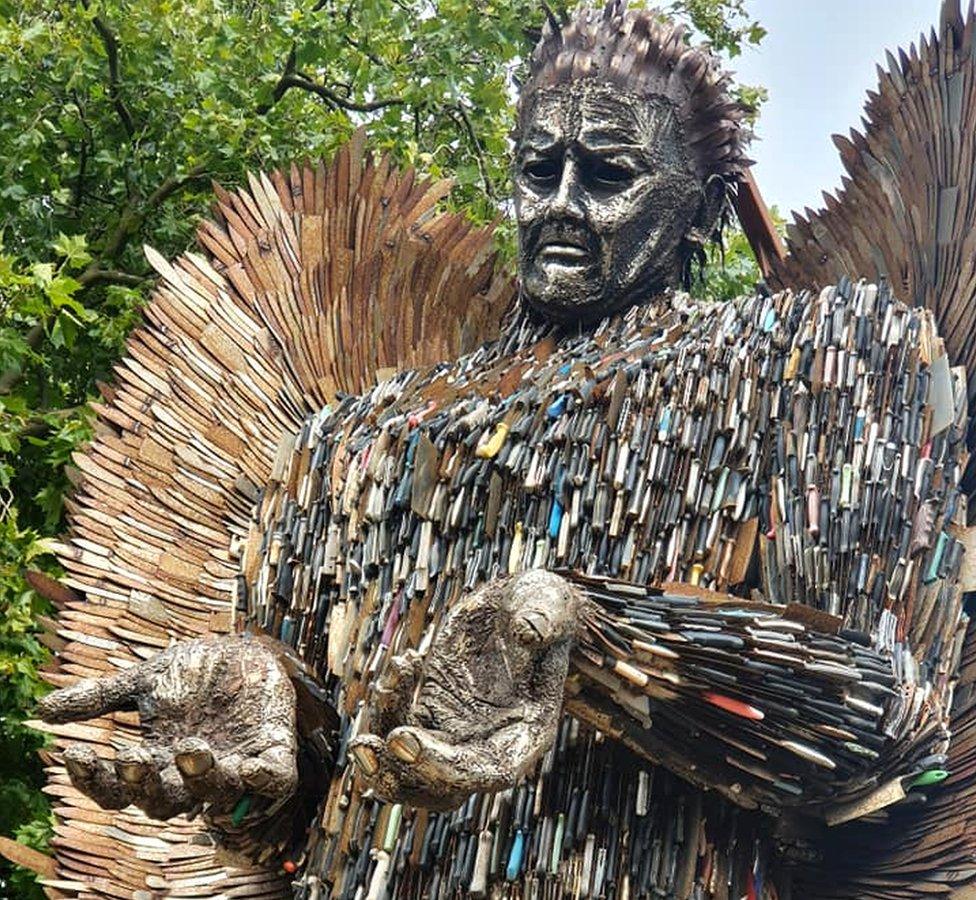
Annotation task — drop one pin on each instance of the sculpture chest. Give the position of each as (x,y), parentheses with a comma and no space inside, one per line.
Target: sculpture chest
(638,451)
(664,446)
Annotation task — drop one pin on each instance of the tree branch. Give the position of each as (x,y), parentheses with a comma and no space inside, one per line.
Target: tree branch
(171,185)
(111,45)
(134,214)
(292,78)
(87,145)
(280,87)
(78,194)
(372,57)
(479,152)
(41,424)
(110,276)
(303,82)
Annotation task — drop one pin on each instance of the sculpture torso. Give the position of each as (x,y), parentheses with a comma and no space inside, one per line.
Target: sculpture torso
(804,446)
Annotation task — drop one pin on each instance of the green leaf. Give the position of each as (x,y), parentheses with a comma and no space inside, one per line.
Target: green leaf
(61,292)
(15,192)
(57,335)
(43,273)
(73,248)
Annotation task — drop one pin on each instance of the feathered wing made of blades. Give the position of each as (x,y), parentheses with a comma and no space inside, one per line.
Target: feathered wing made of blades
(907,210)
(309,282)
(907,205)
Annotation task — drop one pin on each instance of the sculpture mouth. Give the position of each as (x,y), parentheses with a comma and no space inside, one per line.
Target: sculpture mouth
(564,251)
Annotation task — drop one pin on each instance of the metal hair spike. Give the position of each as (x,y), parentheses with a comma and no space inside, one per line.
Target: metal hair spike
(614,8)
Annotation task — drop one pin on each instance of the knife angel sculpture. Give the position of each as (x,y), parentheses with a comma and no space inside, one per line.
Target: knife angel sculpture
(582,588)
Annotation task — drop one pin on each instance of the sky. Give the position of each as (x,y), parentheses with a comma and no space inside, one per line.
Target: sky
(817,61)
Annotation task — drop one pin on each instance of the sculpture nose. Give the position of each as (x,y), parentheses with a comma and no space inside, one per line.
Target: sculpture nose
(566,202)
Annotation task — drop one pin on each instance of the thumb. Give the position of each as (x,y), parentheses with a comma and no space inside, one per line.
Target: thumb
(545,609)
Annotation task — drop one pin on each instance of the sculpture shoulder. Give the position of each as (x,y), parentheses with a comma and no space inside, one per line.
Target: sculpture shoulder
(759,321)
(857,325)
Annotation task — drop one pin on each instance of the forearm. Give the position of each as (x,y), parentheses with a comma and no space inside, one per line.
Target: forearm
(735,696)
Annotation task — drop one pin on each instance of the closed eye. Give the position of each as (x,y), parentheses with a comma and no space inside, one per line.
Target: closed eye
(541,171)
(608,174)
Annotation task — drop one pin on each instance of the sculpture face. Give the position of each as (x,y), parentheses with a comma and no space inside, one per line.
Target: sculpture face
(604,196)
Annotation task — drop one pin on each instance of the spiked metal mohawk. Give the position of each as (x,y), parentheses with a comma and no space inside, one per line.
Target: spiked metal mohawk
(642,52)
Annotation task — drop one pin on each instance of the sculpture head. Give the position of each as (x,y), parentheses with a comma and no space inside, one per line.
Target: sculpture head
(627,141)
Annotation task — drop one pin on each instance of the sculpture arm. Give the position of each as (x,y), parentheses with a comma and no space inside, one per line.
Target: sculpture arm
(858,516)
(866,513)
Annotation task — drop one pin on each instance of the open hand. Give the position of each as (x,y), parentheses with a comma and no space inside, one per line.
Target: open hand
(483,705)
(218,716)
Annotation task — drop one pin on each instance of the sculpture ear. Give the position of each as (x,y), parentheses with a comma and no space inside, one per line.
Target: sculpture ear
(715,195)
(703,228)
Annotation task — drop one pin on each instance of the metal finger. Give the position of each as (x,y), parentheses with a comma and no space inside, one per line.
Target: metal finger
(96,778)
(273,774)
(166,795)
(93,697)
(206,776)
(544,607)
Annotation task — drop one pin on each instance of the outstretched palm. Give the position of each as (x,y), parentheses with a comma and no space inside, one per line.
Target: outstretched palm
(218,717)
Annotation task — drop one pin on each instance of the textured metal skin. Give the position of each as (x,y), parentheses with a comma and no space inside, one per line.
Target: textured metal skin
(605,197)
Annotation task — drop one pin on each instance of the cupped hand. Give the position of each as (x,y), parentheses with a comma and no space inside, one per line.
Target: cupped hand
(483,705)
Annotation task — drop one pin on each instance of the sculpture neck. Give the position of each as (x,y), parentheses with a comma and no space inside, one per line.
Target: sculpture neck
(525,326)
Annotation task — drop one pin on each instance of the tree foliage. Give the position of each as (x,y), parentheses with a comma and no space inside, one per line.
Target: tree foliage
(115,115)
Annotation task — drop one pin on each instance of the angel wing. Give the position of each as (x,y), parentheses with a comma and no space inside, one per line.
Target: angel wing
(907,210)
(309,282)
(907,205)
